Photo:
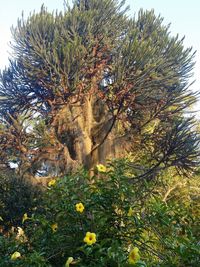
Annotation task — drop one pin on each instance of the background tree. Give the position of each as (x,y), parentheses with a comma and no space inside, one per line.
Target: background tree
(93,84)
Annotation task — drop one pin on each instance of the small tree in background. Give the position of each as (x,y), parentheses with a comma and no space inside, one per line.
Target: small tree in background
(89,84)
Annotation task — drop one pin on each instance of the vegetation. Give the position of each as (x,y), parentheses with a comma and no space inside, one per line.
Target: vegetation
(17,197)
(106,221)
(98,156)
(89,84)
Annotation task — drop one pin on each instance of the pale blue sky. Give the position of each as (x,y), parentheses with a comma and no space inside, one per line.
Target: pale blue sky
(184,17)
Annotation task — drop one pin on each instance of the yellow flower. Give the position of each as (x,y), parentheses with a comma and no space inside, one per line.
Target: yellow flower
(25,217)
(130,212)
(101,168)
(52,182)
(90,238)
(54,227)
(134,256)
(15,255)
(79,207)
(69,260)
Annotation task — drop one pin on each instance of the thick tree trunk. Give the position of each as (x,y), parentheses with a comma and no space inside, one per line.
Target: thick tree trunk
(78,132)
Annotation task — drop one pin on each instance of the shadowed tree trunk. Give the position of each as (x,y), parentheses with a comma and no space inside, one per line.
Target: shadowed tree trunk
(83,134)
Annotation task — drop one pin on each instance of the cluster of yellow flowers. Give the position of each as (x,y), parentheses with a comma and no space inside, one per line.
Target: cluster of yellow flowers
(79,208)
(90,238)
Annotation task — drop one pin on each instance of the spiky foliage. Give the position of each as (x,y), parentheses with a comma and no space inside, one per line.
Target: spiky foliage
(100,85)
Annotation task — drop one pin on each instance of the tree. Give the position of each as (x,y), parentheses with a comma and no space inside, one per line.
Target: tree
(95,84)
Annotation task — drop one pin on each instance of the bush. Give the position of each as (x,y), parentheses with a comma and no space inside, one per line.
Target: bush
(17,197)
(110,220)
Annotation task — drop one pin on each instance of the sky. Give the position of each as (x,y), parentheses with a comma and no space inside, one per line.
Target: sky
(184,17)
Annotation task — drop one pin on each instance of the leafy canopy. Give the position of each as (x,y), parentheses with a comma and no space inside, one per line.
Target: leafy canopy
(97,84)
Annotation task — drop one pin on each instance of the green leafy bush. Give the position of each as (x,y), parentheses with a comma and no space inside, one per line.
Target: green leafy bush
(17,197)
(110,219)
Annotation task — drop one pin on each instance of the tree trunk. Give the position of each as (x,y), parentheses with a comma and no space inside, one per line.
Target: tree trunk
(78,132)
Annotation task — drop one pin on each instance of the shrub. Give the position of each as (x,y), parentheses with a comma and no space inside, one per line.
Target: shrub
(17,197)
(110,219)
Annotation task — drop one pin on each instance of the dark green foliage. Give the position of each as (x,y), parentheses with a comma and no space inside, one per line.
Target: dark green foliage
(17,197)
(164,231)
(56,50)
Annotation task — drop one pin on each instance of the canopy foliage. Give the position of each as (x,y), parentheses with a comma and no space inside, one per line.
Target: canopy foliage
(90,83)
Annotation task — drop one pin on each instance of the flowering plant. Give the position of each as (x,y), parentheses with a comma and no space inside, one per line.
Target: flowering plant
(104,220)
